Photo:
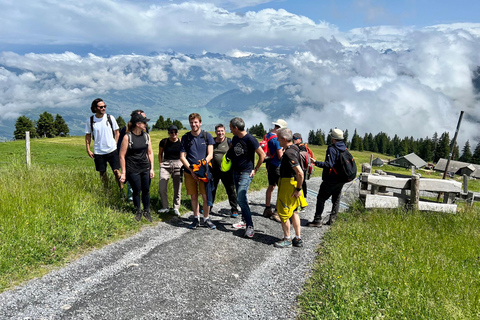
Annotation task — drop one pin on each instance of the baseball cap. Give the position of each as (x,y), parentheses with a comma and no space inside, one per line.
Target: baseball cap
(296,136)
(138,118)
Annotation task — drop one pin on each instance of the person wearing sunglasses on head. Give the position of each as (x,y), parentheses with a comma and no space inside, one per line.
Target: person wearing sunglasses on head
(136,160)
(170,166)
(103,129)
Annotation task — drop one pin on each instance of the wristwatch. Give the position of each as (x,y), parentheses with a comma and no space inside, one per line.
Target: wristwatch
(298,189)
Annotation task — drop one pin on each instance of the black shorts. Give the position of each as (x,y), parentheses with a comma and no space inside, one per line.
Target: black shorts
(273,175)
(101,161)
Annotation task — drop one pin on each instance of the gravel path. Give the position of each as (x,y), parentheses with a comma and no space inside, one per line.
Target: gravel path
(171,272)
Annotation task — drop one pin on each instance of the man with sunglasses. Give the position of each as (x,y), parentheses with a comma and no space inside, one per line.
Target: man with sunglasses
(103,129)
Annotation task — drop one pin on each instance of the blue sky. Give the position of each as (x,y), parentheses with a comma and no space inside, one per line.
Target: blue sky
(349,14)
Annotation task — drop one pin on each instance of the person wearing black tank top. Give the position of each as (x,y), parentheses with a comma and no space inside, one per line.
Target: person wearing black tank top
(136,161)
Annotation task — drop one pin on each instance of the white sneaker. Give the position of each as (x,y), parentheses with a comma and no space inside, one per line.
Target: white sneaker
(164,210)
(239,225)
(249,232)
(176,212)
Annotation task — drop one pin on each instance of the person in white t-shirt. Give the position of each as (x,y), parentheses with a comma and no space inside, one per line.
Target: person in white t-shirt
(103,129)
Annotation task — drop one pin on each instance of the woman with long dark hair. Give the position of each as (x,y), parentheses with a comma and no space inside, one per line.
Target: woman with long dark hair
(136,161)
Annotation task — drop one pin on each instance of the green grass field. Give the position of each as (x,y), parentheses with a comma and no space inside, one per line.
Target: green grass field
(372,264)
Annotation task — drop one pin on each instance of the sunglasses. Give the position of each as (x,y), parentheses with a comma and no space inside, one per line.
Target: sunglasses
(174,132)
(102,107)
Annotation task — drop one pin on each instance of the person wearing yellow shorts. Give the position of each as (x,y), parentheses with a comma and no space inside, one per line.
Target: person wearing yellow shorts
(290,195)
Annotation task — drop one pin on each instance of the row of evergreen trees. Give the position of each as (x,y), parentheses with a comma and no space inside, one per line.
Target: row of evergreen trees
(45,127)
(429,149)
(48,127)
(163,124)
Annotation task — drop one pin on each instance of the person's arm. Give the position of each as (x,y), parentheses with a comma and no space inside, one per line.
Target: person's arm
(117,135)
(88,141)
(299,178)
(150,157)
(160,153)
(123,152)
(280,153)
(330,159)
(261,157)
(209,153)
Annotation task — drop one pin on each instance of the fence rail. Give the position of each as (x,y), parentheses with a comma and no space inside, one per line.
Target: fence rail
(374,191)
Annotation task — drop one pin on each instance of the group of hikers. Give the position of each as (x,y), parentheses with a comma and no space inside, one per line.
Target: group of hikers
(202,161)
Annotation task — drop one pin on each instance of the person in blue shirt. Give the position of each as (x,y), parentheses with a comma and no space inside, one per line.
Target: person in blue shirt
(196,145)
(274,156)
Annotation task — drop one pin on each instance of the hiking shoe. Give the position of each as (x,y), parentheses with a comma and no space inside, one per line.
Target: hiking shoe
(209,224)
(195,223)
(315,223)
(283,243)
(275,217)
(166,210)
(234,214)
(239,225)
(267,213)
(176,212)
(138,215)
(249,232)
(297,242)
(331,219)
(147,215)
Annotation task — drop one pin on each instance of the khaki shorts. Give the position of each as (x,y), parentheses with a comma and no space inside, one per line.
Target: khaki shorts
(193,186)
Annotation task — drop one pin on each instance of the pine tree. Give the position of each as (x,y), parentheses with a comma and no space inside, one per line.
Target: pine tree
(443,147)
(466,153)
(476,154)
(178,124)
(366,144)
(61,127)
(168,123)
(22,125)
(45,125)
(311,137)
(121,123)
(160,124)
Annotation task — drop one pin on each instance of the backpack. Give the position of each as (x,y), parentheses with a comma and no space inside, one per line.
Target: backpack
(264,145)
(109,120)
(345,167)
(307,164)
(130,141)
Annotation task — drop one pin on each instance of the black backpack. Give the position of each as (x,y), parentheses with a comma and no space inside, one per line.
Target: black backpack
(345,167)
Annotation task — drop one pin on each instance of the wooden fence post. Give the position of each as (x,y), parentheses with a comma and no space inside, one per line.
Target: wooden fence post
(27,148)
(415,191)
(465,184)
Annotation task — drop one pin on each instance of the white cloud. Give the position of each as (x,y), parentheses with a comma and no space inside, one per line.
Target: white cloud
(410,92)
(107,23)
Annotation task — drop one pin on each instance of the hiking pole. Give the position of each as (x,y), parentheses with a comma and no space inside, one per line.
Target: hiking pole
(451,150)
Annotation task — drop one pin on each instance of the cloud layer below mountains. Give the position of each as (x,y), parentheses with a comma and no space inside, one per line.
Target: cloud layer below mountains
(416,88)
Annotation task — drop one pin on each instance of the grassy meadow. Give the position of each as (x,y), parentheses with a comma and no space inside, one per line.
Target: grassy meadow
(373,264)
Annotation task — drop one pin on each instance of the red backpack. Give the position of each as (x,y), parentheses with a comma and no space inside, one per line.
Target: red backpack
(264,145)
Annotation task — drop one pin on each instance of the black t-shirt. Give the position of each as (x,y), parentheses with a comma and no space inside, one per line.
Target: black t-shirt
(171,150)
(136,158)
(243,153)
(289,161)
